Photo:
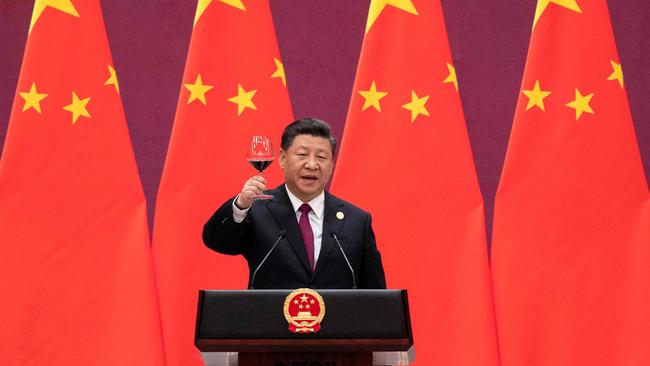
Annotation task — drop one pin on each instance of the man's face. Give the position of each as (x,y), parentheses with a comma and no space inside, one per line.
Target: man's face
(307,166)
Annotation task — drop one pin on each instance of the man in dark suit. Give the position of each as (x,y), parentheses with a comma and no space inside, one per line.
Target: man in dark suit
(303,236)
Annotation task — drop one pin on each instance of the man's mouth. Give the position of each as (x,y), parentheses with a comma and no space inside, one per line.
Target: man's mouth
(310,178)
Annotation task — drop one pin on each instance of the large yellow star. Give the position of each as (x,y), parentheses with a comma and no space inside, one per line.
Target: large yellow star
(200,9)
(65,6)
(243,99)
(279,71)
(543,4)
(536,96)
(416,106)
(617,74)
(77,107)
(235,4)
(372,97)
(451,78)
(112,79)
(581,104)
(377,6)
(203,4)
(198,90)
(32,99)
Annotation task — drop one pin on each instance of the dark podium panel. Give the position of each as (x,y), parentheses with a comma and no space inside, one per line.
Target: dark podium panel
(360,327)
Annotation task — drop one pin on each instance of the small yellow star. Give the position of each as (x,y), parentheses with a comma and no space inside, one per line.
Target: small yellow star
(32,99)
(378,6)
(416,106)
(451,78)
(279,71)
(198,90)
(112,79)
(617,74)
(65,6)
(536,96)
(243,99)
(77,107)
(543,4)
(372,97)
(581,104)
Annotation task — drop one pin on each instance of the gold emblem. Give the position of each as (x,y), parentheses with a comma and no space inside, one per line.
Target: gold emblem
(340,215)
(304,309)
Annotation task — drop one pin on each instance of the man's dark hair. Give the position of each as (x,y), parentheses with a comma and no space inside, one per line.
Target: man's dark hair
(307,126)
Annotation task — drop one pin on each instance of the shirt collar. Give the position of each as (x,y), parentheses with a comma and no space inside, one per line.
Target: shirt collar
(317,203)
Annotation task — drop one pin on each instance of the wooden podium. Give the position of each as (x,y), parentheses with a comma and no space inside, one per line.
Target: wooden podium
(359,328)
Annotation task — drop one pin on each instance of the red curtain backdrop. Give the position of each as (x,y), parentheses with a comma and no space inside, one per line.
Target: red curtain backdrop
(76,272)
(571,245)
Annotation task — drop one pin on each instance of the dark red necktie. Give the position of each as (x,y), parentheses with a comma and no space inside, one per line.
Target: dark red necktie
(307,233)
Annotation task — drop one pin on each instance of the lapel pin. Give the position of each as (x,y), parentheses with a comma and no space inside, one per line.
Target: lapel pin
(340,215)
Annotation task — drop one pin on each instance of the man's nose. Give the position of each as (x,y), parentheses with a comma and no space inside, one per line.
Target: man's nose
(311,163)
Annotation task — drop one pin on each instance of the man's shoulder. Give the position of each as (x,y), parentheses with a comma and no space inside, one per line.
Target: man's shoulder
(333,200)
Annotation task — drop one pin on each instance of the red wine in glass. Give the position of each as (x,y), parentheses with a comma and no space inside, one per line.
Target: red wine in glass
(260,155)
(260,165)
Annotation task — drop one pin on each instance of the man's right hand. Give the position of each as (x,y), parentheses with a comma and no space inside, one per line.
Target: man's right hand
(253,187)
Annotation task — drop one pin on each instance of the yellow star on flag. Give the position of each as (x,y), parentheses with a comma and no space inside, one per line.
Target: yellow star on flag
(617,74)
(32,99)
(200,9)
(77,107)
(243,99)
(65,6)
(581,104)
(543,4)
(203,4)
(536,96)
(198,90)
(372,97)
(378,6)
(416,106)
(112,79)
(451,78)
(235,3)
(279,71)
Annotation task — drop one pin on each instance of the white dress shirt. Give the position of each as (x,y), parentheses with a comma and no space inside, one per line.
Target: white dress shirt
(316,216)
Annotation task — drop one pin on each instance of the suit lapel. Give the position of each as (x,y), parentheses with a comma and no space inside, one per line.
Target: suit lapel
(331,224)
(282,210)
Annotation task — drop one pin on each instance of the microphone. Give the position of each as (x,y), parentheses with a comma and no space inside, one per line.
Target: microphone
(354,280)
(280,236)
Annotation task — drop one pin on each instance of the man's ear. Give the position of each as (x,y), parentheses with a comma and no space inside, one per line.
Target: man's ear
(283,158)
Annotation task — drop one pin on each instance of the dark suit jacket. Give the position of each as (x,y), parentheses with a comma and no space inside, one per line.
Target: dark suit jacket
(287,267)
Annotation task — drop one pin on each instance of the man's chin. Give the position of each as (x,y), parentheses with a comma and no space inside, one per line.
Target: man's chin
(307,192)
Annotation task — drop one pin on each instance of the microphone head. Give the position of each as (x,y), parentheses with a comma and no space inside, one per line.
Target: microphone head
(282,233)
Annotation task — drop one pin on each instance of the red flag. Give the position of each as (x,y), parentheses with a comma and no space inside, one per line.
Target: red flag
(405,157)
(233,88)
(571,248)
(76,274)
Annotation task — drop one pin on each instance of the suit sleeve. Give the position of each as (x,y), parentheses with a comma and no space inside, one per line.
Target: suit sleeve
(222,234)
(372,271)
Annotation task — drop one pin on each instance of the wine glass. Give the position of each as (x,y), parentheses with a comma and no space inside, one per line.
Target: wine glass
(260,155)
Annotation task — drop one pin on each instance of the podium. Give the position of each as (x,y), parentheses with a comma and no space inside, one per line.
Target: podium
(252,328)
